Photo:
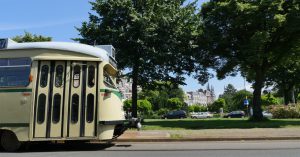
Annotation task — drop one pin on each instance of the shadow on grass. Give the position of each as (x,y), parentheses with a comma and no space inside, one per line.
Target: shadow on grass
(218,124)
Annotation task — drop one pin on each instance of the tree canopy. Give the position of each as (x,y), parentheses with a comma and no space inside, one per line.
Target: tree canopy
(153,38)
(28,37)
(161,93)
(251,37)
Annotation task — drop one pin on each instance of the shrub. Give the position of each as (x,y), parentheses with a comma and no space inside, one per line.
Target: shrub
(143,106)
(175,103)
(162,111)
(281,111)
(269,99)
(197,108)
(215,107)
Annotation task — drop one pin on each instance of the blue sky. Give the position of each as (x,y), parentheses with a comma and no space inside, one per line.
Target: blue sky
(58,19)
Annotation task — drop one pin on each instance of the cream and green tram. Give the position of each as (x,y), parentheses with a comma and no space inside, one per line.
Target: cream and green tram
(56,91)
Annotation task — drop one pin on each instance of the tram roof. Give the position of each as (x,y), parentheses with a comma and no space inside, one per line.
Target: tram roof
(66,46)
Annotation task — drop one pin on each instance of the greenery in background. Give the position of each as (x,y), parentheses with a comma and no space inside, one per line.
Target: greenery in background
(28,37)
(197,108)
(285,78)
(269,99)
(217,105)
(153,38)
(175,104)
(160,95)
(229,92)
(251,37)
(144,106)
(238,100)
(234,100)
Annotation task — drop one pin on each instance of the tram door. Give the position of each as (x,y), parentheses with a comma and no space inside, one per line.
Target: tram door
(51,90)
(49,101)
(83,89)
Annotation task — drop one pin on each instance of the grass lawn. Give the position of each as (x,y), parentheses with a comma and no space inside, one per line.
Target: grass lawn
(216,123)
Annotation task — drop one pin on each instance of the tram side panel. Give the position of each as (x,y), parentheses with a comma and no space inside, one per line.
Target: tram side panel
(16,100)
(110,107)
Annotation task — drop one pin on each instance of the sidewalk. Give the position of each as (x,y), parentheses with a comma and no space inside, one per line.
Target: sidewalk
(211,135)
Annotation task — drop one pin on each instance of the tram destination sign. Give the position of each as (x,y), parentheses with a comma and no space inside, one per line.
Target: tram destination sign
(3,43)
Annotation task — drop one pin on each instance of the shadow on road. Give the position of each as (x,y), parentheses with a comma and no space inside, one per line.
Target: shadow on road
(50,147)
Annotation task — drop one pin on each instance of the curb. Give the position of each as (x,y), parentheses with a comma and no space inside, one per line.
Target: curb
(207,139)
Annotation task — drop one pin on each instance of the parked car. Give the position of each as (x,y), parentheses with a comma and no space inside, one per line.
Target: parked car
(175,115)
(201,115)
(235,114)
(267,114)
(209,115)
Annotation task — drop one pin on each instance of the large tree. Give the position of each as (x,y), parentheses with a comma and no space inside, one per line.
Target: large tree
(250,36)
(28,37)
(153,38)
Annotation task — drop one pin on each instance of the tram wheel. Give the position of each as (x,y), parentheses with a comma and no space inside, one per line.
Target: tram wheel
(9,141)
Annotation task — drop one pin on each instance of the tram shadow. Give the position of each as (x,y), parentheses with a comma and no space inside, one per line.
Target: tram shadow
(58,147)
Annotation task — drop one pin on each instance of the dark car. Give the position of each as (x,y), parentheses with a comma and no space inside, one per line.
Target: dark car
(174,115)
(235,114)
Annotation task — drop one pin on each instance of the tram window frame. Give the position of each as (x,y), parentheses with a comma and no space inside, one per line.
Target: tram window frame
(44,76)
(42,100)
(108,81)
(56,108)
(15,72)
(59,75)
(91,76)
(90,108)
(76,76)
(75,109)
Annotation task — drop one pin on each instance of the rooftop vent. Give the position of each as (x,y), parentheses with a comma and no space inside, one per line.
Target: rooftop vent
(110,50)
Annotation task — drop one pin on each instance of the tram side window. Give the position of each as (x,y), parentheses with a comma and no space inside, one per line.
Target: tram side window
(108,81)
(91,76)
(90,108)
(59,76)
(76,76)
(75,108)
(44,76)
(14,72)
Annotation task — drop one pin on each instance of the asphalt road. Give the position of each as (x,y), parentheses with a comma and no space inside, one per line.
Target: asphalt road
(171,149)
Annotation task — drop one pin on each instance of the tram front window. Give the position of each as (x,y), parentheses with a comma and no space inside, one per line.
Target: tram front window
(108,81)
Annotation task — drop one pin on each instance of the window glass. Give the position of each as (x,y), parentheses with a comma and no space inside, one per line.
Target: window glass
(56,108)
(41,108)
(90,108)
(108,80)
(75,108)
(14,72)
(59,76)
(76,76)
(91,76)
(44,76)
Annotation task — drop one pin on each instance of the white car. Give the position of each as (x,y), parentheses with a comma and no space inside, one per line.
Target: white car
(267,114)
(201,115)
(209,115)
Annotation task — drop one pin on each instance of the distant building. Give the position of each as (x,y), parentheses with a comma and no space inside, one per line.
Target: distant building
(125,87)
(201,97)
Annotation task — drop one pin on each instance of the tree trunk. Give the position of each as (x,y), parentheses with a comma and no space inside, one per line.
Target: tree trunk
(286,96)
(258,85)
(292,94)
(134,90)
